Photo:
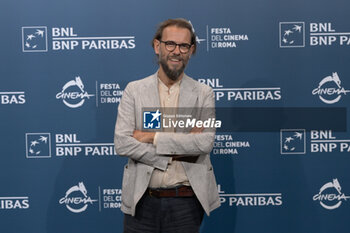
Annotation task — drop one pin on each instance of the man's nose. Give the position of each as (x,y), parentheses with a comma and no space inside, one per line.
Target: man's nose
(177,49)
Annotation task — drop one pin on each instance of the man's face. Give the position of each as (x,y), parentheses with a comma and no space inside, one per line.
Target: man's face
(173,63)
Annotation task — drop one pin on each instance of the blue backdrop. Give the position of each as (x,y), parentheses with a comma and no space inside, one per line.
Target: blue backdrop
(65,64)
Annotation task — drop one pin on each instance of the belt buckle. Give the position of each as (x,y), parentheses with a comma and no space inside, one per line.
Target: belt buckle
(150,192)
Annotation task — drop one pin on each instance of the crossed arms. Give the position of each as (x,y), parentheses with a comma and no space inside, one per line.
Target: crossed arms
(139,146)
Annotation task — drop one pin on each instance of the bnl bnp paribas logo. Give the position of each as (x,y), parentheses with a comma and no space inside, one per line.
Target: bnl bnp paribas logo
(294,35)
(38,145)
(12,97)
(293,141)
(14,203)
(330,90)
(330,195)
(36,39)
(242,93)
(250,199)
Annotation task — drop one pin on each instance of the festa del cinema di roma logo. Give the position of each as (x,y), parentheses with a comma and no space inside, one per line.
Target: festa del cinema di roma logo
(329,90)
(76,199)
(328,198)
(154,120)
(73,94)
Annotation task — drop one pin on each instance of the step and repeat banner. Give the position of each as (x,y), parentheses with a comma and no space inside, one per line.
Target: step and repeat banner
(279,70)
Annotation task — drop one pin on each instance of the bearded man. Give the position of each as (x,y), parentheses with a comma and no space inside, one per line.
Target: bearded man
(168,182)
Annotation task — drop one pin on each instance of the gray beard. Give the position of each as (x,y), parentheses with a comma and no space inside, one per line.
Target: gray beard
(172,74)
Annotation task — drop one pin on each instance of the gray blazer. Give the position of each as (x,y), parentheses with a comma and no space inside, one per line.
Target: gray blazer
(144,157)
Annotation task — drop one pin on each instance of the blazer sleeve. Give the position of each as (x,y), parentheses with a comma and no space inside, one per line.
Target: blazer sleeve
(187,143)
(125,144)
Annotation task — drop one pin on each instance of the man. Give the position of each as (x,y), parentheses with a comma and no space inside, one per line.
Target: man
(168,181)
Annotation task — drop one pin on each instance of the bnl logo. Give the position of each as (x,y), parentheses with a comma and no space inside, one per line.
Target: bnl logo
(38,145)
(34,39)
(152,119)
(293,141)
(292,34)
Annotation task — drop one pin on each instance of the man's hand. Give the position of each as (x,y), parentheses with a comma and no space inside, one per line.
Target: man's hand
(146,137)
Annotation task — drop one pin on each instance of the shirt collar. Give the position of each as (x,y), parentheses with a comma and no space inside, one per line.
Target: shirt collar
(162,86)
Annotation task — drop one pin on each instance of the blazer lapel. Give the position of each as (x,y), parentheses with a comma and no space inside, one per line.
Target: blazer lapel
(150,95)
(187,99)
(188,96)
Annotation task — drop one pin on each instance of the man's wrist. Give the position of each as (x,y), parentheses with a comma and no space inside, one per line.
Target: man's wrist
(150,137)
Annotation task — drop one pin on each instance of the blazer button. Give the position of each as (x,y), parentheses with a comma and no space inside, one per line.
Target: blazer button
(148,173)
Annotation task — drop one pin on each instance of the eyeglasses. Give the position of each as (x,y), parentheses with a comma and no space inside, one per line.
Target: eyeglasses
(171,46)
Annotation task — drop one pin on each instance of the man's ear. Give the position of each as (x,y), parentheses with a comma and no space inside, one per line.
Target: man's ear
(191,50)
(156,45)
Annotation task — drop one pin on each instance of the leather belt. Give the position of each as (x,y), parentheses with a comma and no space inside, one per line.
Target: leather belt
(189,159)
(181,191)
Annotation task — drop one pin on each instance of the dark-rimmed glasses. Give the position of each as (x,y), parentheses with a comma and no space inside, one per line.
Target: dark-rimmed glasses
(171,46)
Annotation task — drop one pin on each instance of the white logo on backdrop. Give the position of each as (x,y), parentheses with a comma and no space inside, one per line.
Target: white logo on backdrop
(34,39)
(70,97)
(331,87)
(12,97)
(76,199)
(12,203)
(292,34)
(293,141)
(38,145)
(242,94)
(250,199)
(197,38)
(328,198)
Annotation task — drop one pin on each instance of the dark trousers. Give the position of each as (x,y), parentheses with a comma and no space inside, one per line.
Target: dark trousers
(165,215)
